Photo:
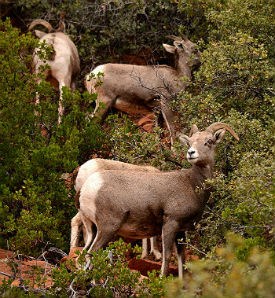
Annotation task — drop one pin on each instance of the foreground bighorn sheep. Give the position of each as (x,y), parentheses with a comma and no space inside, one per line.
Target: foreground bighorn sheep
(64,65)
(135,205)
(131,88)
(96,165)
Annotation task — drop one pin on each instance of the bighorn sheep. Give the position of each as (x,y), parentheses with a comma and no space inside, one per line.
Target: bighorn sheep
(131,88)
(64,65)
(96,165)
(136,205)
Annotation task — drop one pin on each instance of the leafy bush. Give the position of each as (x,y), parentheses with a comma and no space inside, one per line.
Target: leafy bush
(234,84)
(109,276)
(35,204)
(235,74)
(254,18)
(130,144)
(252,188)
(226,275)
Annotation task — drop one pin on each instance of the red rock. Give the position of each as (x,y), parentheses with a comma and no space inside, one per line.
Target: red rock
(5,253)
(143,266)
(25,270)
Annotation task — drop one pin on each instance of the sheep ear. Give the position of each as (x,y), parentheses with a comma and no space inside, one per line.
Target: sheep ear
(184,139)
(39,33)
(218,135)
(168,48)
(193,130)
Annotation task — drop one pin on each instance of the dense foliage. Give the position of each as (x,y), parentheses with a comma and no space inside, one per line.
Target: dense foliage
(34,204)
(234,84)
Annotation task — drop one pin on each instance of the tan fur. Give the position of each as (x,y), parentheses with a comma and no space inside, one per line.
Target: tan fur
(64,65)
(93,167)
(135,205)
(144,86)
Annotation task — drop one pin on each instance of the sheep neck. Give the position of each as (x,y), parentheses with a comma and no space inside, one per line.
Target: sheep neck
(183,68)
(202,171)
(199,174)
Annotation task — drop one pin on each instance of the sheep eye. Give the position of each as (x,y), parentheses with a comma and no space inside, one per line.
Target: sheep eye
(208,142)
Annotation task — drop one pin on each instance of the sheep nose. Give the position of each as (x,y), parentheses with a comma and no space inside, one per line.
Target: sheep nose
(191,151)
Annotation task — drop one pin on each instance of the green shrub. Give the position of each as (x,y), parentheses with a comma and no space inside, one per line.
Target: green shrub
(234,84)
(252,188)
(226,275)
(109,276)
(35,206)
(235,74)
(252,17)
(130,144)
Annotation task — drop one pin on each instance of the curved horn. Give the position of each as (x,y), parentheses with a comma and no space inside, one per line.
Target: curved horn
(61,27)
(220,125)
(174,37)
(40,22)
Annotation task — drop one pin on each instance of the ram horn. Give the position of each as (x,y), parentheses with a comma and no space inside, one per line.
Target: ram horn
(220,125)
(40,22)
(174,37)
(61,27)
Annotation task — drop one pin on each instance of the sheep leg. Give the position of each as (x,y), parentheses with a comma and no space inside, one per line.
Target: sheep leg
(145,250)
(94,113)
(103,237)
(169,119)
(154,248)
(168,239)
(73,85)
(107,232)
(64,79)
(85,234)
(102,107)
(88,227)
(37,99)
(76,223)
(180,253)
(89,230)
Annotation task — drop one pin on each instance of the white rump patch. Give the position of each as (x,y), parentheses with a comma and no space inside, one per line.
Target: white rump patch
(92,185)
(93,78)
(95,73)
(98,69)
(87,169)
(88,196)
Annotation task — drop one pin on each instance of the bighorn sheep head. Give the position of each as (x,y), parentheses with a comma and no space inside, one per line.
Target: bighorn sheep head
(202,143)
(184,47)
